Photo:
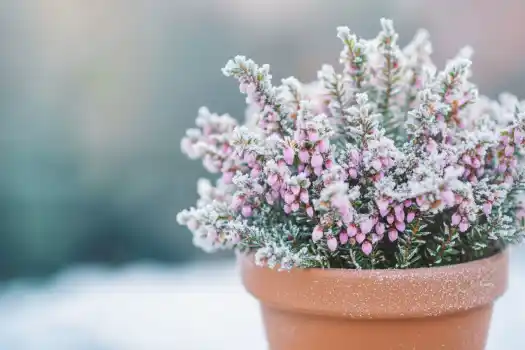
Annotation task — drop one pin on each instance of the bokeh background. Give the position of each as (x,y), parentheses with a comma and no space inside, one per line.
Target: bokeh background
(96,95)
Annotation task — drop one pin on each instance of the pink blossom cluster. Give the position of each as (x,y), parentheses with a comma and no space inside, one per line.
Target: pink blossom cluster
(357,160)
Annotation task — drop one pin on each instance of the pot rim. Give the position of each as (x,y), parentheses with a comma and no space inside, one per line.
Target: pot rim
(385,293)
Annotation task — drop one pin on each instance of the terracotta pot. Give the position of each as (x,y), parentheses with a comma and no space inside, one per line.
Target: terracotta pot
(418,309)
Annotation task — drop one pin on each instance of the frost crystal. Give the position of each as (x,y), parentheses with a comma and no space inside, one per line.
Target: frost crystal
(384,163)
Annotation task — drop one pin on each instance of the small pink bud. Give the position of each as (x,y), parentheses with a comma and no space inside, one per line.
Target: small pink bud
(367,248)
(288,155)
(323,146)
(317,161)
(382,205)
(304,156)
(227,177)
(456,218)
(400,225)
(317,233)
(509,150)
(295,189)
(247,211)
(380,228)
(375,238)
(464,225)
(272,179)
(352,173)
(312,136)
(366,225)
(343,238)
(351,230)
(476,163)
(287,209)
(466,159)
(360,237)
(410,216)
(392,235)
(294,206)
(400,213)
(390,219)
(448,197)
(310,211)
(407,203)
(332,244)
(237,201)
(289,198)
(304,196)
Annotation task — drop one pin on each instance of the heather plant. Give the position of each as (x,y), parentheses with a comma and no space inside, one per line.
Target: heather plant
(384,163)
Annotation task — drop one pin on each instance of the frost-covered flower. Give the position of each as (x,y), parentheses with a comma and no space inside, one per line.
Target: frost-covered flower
(385,162)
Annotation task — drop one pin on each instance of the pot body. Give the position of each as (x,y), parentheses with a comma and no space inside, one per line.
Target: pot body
(420,309)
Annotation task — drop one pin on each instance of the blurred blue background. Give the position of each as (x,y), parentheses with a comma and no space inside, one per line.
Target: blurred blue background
(95,97)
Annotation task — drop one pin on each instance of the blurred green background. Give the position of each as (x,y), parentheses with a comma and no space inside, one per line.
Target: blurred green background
(96,95)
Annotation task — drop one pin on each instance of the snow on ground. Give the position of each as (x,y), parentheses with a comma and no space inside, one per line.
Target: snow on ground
(143,307)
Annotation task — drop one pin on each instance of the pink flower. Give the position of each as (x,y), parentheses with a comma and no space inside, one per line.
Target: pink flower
(390,219)
(448,197)
(456,218)
(272,179)
(400,213)
(332,244)
(410,216)
(351,230)
(367,248)
(323,146)
(380,228)
(509,150)
(317,161)
(287,209)
(304,196)
(227,177)
(466,159)
(382,205)
(304,156)
(463,225)
(288,155)
(400,225)
(295,189)
(366,225)
(352,173)
(360,237)
(317,233)
(237,201)
(312,136)
(289,198)
(310,211)
(247,211)
(294,206)
(343,238)
(392,235)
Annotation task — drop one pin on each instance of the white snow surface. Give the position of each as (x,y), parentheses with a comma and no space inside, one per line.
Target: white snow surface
(149,306)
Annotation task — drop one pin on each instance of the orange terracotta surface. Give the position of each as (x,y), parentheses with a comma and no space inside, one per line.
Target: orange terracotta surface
(417,309)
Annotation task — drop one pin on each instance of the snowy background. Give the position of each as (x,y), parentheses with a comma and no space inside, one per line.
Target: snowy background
(147,306)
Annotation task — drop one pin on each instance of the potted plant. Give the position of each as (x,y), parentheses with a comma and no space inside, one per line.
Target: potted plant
(372,208)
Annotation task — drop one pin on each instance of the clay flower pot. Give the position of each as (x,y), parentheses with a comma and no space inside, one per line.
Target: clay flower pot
(417,309)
